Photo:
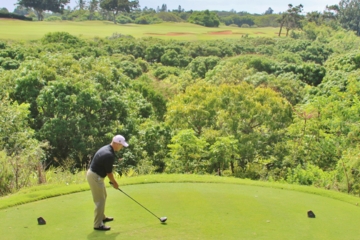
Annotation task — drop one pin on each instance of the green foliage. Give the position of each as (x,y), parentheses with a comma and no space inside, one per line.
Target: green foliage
(9,64)
(151,95)
(173,58)
(163,72)
(348,14)
(278,103)
(316,52)
(348,169)
(6,175)
(169,17)
(224,150)
(122,19)
(23,153)
(116,6)
(148,19)
(204,18)
(201,65)
(56,6)
(187,153)
(14,16)
(61,37)
(228,72)
(53,19)
(130,69)
(153,53)
(311,175)
(240,21)
(309,73)
(253,116)
(346,62)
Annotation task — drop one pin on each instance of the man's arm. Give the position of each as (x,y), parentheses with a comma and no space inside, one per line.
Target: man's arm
(112,179)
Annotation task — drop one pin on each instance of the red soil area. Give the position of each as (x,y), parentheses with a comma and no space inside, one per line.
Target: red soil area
(220,33)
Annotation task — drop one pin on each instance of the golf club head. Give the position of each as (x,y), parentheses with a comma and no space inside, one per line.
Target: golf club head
(163,219)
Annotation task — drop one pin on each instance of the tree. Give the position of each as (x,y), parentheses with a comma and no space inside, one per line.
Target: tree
(21,10)
(256,117)
(163,8)
(291,18)
(93,6)
(269,11)
(349,15)
(315,17)
(39,6)
(223,151)
(80,4)
(205,18)
(4,10)
(180,9)
(23,152)
(189,150)
(116,6)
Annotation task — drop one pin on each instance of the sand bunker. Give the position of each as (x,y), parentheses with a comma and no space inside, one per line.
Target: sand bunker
(220,33)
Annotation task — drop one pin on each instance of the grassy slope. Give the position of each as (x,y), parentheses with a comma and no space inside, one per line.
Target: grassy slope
(47,191)
(24,30)
(231,209)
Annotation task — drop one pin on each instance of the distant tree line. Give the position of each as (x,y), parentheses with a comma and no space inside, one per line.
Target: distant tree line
(345,14)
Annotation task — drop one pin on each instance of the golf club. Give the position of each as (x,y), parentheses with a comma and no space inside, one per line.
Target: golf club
(162,219)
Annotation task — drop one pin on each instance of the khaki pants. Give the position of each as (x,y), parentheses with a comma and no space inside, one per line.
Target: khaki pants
(98,191)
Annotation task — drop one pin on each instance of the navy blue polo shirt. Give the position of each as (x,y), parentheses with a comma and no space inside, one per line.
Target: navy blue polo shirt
(103,160)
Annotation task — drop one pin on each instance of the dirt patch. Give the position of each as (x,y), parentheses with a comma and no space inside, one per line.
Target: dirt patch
(240,33)
(281,33)
(220,33)
(259,33)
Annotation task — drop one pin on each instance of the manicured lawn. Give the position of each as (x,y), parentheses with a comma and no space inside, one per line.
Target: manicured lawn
(25,30)
(195,210)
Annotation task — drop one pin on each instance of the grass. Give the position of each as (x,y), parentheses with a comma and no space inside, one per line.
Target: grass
(25,30)
(197,207)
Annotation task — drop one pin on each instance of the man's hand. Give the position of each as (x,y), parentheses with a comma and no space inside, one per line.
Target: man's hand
(113,181)
(115,185)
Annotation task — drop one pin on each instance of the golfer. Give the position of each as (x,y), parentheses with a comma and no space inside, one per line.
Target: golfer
(101,166)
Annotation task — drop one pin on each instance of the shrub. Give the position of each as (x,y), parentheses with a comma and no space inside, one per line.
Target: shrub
(201,65)
(53,19)
(163,72)
(9,64)
(130,69)
(124,19)
(148,19)
(169,17)
(204,18)
(61,37)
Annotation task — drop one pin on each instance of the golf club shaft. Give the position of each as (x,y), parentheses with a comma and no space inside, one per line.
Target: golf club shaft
(137,202)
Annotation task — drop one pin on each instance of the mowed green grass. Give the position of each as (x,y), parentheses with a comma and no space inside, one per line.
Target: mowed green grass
(25,30)
(194,211)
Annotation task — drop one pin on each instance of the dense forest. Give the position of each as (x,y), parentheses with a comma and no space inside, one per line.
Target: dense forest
(280,109)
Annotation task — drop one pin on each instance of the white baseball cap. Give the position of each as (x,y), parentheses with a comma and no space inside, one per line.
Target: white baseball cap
(120,139)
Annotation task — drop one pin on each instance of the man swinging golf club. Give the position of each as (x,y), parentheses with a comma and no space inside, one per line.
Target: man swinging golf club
(101,166)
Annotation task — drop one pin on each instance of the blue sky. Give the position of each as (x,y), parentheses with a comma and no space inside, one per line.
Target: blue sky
(255,6)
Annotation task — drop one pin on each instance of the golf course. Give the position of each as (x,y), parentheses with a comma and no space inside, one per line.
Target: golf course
(22,30)
(197,207)
(235,131)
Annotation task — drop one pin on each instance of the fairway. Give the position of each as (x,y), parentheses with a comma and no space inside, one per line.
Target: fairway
(26,30)
(194,211)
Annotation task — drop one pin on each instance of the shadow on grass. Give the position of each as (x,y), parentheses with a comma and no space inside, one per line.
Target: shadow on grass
(102,234)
